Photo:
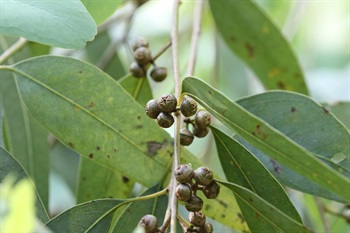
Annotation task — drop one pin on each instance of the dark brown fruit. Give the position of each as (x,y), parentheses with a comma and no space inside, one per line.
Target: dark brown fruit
(167,103)
(149,223)
(158,74)
(186,137)
(183,173)
(165,120)
(140,42)
(208,227)
(200,133)
(188,106)
(137,71)
(202,119)
(203,176)
(142,56)
(194,204)
(152,109)
(183,192)
(212,190)
(197,219)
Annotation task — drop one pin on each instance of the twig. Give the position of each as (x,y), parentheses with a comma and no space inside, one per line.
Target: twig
(321,210)
(177,86)
(13,49)
(196,31)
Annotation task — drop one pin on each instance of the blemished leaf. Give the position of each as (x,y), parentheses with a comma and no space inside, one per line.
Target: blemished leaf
(310,125)
(9,165)
(267,138)
(262,209)
(93,216)
(96,181)
(243,169)
(34,20)
(342,111)
(91,113)
(132,214)
(257,41)
(100,12)
(138,88)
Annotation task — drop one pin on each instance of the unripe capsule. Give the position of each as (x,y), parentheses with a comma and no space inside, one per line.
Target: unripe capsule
(202,119)
(188,106)
(140,42)
(186,137)
(158,74)
(203,176)
(152,109)
(183,192)
(165,120)
(137,71)
(142,56)
(183,173)
(167,103)
(149,223)
(212,190)
(197,218)
(194,204)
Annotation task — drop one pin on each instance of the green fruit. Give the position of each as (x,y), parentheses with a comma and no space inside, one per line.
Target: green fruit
(142,56)
(149,223)
(202,119)
(158,74)
(212,190)
(137,71)
(203,176)
(197,219)
(194,204)
(140,42)
(200,133)
(188,106)
(183,192)
(186,137)
(165,120)
(152,109)
(183,173)
(167,103)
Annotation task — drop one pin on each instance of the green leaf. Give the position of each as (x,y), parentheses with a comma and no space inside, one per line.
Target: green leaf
(101,11)
(138,88)
(96,181)
(91,113)
(342,111)
(266,138)
(94,216)
(243,169)
(256,40)
(132,214)
(262,209)
(311,126)
(9,165)
(96,52)
(34,20)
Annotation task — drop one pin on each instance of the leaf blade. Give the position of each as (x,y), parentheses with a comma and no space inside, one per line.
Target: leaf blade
(265,137)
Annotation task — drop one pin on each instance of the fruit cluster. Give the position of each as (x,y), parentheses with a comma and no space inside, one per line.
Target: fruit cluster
(162,108)
(190,181)
(143,58)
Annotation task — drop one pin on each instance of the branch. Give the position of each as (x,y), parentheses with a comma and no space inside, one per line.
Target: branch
(196,31)
(13,49)
(177,86)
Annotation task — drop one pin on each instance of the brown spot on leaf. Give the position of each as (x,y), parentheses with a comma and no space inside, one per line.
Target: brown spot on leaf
(223,216)
(275,166)
(258,129)
(125,179)
(281,85)
(91,156)
(221,202)
(240,216)
(257,215)
(297,75)
(108,156)
(250,49)
(98,148)
(71,145)
(325,110)
(80,71)
(293,109)
(138,117)
(83,178)
(153,147)
(250,199)
(232,38)
(91,104)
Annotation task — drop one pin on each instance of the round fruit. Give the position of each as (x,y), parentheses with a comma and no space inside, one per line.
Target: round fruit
(194,204)
(183,192)
(167,103)
(142,56)
(203,176)
(188,106)
(183,173)
(152,109)
(137,71)
(165,120)
(197,219)
(140,42)
(158,74)
(148,223)
(186,137)
(212,190)
(202,119)
(208,228)
(200,133)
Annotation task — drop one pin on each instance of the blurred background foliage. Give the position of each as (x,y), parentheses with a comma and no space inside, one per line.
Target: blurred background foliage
(318,32)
